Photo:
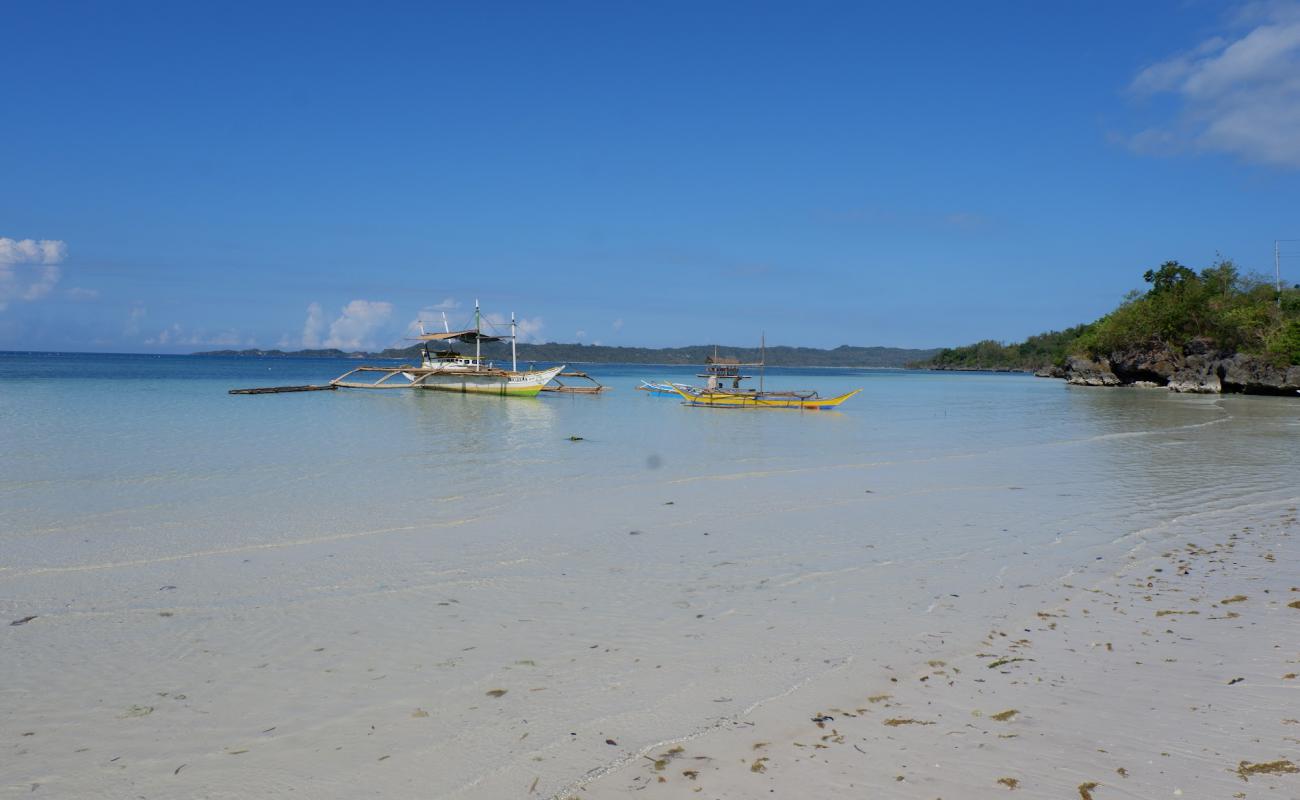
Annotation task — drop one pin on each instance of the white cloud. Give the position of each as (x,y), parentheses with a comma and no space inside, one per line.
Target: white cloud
(78,293)
(29,269)
(314,327)
(617,324)
(448,304)
(1238,93)
(30,251)
(133,317)
(529,329)
(175,335)
(355,329)
(359,326)
(166,335)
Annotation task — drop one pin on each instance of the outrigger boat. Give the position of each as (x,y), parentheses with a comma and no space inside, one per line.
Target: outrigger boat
(450,371)
(719,370)
(720,398)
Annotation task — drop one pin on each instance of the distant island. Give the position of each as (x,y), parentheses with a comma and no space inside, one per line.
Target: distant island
(554,352)
(1212,331)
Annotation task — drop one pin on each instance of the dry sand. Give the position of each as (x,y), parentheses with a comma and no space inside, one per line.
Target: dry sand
(1176,676)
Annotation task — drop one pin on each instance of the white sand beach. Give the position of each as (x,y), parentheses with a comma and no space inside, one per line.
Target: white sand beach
(1175,676)
(665,607)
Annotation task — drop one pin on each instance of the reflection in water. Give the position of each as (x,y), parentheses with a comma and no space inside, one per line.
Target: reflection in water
(475,444)
(469,422)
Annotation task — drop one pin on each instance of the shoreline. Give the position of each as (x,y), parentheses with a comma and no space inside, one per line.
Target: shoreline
(1067,709)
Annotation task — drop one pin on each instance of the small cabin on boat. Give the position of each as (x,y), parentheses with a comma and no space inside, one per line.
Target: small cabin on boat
(720,369)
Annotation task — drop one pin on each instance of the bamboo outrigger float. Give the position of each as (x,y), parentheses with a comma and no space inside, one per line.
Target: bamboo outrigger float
(557,385)
(657,388)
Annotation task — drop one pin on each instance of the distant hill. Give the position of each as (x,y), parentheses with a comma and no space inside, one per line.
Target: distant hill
(842,356)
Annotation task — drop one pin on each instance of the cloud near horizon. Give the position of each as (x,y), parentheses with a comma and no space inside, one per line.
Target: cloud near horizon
(1237,93)
(358,327)
(29,269)
(176,334)
(133,318)
(314,328)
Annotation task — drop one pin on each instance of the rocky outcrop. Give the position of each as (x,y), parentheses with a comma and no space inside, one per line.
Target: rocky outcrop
(1199,367)
(1086,372)
(1248,374)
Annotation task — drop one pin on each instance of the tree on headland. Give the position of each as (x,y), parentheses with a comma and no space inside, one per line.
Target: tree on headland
(1234,312)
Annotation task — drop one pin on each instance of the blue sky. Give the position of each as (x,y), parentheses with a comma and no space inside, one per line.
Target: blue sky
(183,176)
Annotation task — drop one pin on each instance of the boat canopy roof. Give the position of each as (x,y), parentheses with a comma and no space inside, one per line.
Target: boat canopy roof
(464,336)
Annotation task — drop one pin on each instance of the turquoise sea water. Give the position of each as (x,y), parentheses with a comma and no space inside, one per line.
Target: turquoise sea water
(114,444)
(324,562)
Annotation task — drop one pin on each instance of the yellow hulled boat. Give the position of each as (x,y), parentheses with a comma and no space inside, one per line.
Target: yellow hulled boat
(713,398)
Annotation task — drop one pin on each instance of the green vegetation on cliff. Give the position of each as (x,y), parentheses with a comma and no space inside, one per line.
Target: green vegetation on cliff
(1237,313)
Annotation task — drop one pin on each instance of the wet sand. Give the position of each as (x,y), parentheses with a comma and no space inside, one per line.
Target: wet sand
(1176,676)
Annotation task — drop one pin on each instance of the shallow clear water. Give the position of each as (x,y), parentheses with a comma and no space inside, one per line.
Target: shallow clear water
(324,562)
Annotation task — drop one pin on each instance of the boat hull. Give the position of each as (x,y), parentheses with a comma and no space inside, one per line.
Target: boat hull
(703,397)
(520,384)
(503,383)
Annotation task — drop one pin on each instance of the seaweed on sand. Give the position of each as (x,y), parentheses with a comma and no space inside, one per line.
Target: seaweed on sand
(1004,716)
(1085,790)
(1280,767)
(1004,661)
(1010,783)
(661,761)
(894,722)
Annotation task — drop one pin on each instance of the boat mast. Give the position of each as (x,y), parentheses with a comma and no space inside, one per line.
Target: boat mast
(514,337)
(762,360)
(478,342)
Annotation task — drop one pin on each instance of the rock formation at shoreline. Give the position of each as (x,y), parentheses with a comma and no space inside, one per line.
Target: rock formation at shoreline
(1199,368)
